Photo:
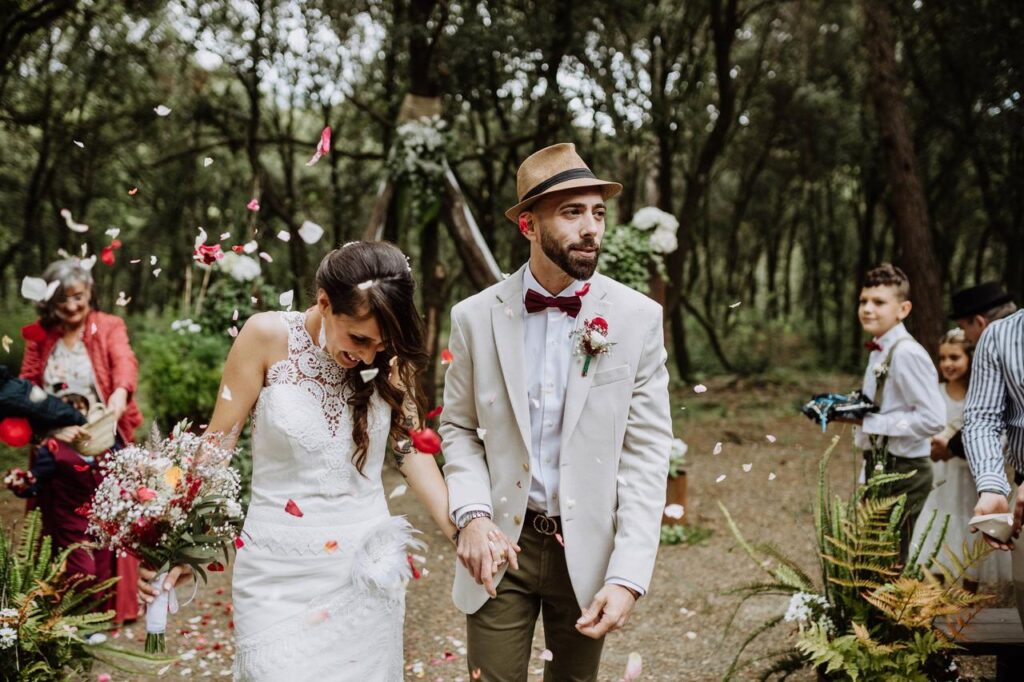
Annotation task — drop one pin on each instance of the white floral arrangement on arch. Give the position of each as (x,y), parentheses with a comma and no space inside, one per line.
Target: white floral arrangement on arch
(417,158)
(630,252)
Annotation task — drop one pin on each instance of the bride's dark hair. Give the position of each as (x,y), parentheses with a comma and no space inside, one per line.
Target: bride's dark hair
(364,279)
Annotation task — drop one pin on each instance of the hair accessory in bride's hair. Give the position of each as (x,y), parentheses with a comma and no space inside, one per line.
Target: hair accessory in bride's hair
(363,286)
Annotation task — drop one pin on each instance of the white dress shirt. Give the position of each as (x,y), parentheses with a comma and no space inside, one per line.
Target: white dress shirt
(912,407)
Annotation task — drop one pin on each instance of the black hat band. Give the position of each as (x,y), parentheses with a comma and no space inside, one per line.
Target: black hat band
(571,174)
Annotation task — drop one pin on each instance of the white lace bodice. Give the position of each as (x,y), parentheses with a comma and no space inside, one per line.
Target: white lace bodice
(302,442)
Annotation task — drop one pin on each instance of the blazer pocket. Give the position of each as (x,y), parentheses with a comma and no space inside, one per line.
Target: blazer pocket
(606,376)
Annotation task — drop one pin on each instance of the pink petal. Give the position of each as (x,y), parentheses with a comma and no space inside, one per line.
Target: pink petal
(293,509)
(253,205)
(323,148)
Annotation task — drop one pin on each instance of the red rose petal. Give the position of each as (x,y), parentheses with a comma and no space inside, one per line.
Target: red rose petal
(215,567)
(239,544)
(15,432)
(293,508)
(435,412)
(412,565)
(446,357)
(584,290)
(107,255)
(426,441)
(81,467)
(33,332)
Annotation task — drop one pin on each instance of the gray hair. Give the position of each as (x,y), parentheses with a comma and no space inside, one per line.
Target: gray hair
(68,272)
(1000,311)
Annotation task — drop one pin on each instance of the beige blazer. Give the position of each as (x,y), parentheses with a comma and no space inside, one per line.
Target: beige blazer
(616,433)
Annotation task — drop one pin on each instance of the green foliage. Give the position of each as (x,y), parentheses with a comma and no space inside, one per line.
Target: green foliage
(673,534)
(627,257)
(180,372)
(52,614)
(872,618)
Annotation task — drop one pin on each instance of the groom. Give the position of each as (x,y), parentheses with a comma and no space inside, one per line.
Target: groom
(550,442)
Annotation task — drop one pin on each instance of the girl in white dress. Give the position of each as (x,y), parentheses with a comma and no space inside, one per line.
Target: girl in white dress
(319,585)
(954,493)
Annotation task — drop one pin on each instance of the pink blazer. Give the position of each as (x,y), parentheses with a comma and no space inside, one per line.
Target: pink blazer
(113,363)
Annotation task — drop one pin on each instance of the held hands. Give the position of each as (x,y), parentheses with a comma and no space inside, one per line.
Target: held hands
(994,503)
(147,593)
(940,449)
(483,548)
(609,611)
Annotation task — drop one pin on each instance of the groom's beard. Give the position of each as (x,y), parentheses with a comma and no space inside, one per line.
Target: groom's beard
(571,264)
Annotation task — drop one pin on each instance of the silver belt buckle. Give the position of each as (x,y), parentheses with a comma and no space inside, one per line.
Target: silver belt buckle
(544,524)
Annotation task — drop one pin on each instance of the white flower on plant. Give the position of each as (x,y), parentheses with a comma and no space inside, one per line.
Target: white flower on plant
(186,326)
(652,218)
(8,637)
(664,240)
(241,268)
(679,448)
(8,614)
(805,607)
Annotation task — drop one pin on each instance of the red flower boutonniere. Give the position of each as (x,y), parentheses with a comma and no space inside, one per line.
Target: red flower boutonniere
(592,340)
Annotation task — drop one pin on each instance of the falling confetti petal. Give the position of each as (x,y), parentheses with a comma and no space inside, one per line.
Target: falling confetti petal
(771,476)
(717,450)
(700,388)
(133,191)
(284,236)
(156,273)
(152,260)
(234,315)
(7,341)
(293,508)
(239,543)
(435,412)
(286,298)
(748,467)
(426,441)
(331,546)
(323,147)
(250,247)
(399,490)
(736,304)
(771,438)
(226,393)
(560,539)
(368,375)
(207,162)
(674,511)
(122,300)
(70,222)
(634,666)
(87,263)
(253,205)
(310,232)
(266,256)
(720,478)
(584,290)
(481,433)
(446,357)
(233,332)
(162,110)
(691,635)
(113,232)
(38,289)
(546,655)
(80,145)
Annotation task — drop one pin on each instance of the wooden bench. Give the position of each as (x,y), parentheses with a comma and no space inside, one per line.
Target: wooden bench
(995,632)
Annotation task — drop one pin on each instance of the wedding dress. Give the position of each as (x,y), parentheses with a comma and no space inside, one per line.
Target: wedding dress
(319,596)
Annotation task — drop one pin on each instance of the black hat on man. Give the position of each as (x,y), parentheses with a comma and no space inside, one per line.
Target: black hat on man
(978,299)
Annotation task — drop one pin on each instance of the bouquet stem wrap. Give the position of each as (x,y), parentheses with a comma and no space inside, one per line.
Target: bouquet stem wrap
(156,615)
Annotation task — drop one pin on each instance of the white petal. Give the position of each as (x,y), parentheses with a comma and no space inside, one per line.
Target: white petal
(207,162)
(398,491)
(720,478)
(34,288)
(87,263)
(266,256)
(481,433)
(310,232)
(112,233)
(200,238)
(367,375)
(717,450)
(162,110)
(771,476)
(284,236)
(80,145)
(250,247)
(674,511)
(700,388)
(748,467)
(771,438)
(286,298)
(226,393)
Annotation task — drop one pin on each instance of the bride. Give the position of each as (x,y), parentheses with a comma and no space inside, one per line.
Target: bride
(319,585)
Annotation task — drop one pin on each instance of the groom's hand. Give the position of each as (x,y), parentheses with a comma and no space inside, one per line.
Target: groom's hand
(609,611)
(482,549)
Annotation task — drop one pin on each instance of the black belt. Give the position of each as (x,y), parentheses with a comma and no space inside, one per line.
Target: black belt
(542,523)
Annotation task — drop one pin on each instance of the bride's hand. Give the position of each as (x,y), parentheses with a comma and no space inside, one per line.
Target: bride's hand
(176,575)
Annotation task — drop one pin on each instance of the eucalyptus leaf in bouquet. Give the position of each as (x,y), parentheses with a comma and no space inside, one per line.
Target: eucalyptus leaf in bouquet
(173,501)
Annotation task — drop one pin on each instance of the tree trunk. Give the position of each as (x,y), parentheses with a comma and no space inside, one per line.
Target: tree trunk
(906,194)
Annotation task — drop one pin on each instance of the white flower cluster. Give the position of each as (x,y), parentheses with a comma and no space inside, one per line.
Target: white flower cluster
(186,327)
(678,449)
(240,267)
(8,637)
(664,225)
(148,492)
(805,607)
(417,157)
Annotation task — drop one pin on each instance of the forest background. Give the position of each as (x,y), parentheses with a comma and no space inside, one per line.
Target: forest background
(798,143)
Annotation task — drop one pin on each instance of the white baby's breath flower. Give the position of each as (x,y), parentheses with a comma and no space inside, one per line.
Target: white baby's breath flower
(8,637)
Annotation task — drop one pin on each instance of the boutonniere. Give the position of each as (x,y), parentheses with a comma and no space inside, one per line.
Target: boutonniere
(592,340)
(880,369)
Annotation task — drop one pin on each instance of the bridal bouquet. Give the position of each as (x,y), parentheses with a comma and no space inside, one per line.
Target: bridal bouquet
(172,501)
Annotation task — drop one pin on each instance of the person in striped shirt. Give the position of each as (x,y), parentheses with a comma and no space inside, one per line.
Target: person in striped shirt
(995,406)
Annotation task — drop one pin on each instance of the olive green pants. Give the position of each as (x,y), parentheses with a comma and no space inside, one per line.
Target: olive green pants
(916,488)
(500,634)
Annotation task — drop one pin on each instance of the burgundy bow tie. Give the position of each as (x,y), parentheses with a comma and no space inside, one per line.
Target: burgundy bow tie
(536,301)
(873,345)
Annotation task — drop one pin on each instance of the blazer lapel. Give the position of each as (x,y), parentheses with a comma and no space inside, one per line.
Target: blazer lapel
(507,324)
(578,385)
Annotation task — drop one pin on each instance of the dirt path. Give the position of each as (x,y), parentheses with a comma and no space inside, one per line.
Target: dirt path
(678,628)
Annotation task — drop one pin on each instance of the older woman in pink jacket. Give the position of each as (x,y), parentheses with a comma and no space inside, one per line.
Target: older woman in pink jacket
(74,348)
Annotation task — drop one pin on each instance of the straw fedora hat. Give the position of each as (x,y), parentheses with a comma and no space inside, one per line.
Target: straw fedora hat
(554,169)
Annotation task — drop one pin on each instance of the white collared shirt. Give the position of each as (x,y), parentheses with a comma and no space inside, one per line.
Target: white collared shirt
(547,339)
(912,407)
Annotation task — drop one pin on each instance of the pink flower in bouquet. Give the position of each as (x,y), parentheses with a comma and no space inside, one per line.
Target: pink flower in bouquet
(144,494)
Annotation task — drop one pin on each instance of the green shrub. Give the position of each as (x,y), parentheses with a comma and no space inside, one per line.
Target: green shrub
(180,374)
